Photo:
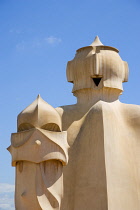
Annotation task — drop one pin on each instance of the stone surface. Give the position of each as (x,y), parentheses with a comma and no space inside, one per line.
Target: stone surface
(103,134)
(39,151)
(103,172)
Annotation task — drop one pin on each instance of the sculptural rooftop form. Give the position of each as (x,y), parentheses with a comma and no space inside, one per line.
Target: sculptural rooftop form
(84,156)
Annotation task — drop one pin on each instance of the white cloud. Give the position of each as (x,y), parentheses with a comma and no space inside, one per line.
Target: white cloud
(37,43)
(5,206)
(6,188)
(7,201)
(52,40)
(7,196)
(15,31)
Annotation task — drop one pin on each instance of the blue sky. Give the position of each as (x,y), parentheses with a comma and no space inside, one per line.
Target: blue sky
(37,38)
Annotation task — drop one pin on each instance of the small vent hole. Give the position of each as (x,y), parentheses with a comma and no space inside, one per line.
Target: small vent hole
(96,81)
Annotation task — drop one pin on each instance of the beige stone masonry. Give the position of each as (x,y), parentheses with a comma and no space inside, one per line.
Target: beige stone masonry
(84,156)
